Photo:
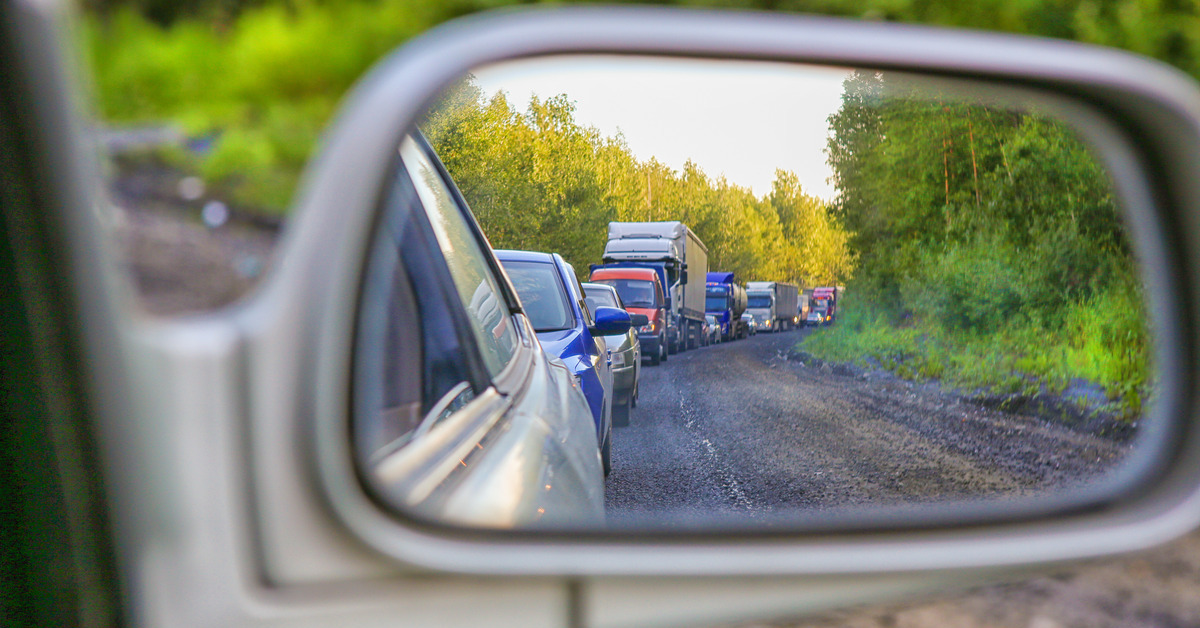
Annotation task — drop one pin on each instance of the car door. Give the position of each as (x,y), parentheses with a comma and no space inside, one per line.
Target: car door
(446,362)
(599,352)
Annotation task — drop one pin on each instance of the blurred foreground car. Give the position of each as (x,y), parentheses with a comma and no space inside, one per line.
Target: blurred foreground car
(566,328)
(626,352)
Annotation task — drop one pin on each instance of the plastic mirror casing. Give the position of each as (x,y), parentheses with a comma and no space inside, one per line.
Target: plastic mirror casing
(243,505)
(1139,115)
(611,321)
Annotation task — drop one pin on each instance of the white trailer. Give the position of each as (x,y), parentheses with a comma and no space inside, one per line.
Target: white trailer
(773,304)
(682,260)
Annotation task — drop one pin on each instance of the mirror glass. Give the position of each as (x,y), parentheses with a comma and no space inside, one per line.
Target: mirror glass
(864,292)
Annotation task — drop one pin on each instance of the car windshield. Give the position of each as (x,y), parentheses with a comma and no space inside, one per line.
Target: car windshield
(634,292)
(759,301)
(542,295)
(600,296)
(716,303)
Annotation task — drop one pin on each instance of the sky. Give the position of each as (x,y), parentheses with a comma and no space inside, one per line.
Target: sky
(740,119)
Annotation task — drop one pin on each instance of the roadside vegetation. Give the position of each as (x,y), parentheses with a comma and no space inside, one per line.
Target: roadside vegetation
(538,180)
(255,81)
(1005,268)
(991,250)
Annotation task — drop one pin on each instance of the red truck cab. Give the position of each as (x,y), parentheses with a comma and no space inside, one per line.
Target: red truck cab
(642,293)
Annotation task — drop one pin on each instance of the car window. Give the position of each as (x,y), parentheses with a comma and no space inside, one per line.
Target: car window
(635,292)
(602,297)
(542,294)
(588,318)
(478,289)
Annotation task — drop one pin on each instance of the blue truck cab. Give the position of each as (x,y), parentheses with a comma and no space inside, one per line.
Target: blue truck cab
(726,300)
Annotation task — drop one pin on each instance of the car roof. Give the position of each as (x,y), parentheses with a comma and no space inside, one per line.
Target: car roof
(587,285)
(509,255)
(625,273)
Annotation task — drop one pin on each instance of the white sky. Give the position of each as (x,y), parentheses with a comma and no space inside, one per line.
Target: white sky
(742,119)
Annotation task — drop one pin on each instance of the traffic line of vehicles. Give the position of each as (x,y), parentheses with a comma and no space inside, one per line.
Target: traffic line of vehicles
(652,297)
(582,345)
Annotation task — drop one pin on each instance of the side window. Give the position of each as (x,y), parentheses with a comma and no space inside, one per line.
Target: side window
(433,325)
(477,288)
(583,303)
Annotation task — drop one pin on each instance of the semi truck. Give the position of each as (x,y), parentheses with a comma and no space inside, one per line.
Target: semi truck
(773,304)
(726,300)
(826,298)
(681,261)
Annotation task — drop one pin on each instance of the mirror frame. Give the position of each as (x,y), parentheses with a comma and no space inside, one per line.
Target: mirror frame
(1143,118)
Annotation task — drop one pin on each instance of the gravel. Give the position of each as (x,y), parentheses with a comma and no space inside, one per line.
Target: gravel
(747,434)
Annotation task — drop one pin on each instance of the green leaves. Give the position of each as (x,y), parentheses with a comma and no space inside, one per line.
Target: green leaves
(539,180)
(990,232)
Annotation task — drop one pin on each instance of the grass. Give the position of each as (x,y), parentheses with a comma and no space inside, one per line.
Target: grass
(263,86)
(1102,341)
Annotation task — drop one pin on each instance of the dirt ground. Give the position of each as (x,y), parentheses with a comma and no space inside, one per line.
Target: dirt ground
(181,265)
(1159,588)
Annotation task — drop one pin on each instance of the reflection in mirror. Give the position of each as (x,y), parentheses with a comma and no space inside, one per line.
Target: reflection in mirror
(852,290)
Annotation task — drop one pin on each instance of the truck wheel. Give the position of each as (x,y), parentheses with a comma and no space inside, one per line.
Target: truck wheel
(663,349)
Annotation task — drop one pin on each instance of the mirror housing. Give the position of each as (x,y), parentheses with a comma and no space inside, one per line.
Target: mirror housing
(611,321)
(638,320)
(1143,118)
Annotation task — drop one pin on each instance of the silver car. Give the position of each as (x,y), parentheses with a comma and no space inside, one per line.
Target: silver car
(459,416)
(626,354)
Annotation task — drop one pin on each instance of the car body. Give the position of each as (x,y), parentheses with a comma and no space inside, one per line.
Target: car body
(751,324)
(641,290)
(552,298)
(421,393)
(626,353)
(712,329)
(815,318)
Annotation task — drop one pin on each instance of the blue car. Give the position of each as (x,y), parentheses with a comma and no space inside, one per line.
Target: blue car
(568,330)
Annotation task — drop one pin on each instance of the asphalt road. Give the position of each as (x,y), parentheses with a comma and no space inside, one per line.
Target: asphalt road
(739,432)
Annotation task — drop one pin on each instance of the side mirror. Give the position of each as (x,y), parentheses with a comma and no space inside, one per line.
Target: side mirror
(639,320)
(1141,119)
(611,321)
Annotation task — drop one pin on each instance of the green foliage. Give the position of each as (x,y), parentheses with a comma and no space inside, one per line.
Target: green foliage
(266,83)
(539,181)
(992,251)
(227,65)
(985,246)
